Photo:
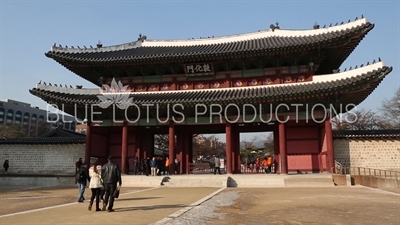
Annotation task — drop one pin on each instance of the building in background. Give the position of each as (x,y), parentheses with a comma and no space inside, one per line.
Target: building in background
(81,128)
(32,120)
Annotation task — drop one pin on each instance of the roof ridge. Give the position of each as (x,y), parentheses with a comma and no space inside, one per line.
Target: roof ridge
(361,65)
(42,140)
(144,42)
(61,131)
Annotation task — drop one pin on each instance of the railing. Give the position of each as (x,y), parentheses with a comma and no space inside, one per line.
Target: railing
(201,168)
(371,177)
(206,168)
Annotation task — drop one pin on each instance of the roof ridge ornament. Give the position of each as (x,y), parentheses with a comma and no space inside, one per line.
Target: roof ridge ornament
(316,26)
(99,44)
(274,27)
(142,37)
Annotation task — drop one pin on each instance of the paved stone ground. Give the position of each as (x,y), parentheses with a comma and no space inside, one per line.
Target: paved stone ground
(324,206)
(145,207)
(283,206)
(17,199)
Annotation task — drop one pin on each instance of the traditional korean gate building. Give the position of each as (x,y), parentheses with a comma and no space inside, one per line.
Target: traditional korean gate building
(173,82)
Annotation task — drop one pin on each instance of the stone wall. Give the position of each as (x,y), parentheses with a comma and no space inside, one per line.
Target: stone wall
(51,159)
(59,159)
(368,153)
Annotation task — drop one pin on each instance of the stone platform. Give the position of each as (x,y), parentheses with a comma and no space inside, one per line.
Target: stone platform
(231,180)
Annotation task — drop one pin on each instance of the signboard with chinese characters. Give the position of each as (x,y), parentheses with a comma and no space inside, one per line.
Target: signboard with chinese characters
(199,69)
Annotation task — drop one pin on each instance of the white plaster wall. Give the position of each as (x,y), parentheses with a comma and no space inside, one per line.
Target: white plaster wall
(374,153)
(55,159)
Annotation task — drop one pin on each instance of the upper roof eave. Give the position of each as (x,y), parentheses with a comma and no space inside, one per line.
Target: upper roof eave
(230,94)
(145,50)
(144,42)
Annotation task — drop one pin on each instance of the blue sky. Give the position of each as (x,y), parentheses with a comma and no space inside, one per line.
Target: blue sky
(30,28)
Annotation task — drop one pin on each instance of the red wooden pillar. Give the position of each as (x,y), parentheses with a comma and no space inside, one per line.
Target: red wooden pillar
(329,144)
(276,149)
(282,149)
(124,149)
(237,142)
(233,151)
(189,151)
(228,132)
(320,164)
(138,148)
(236,150)
(180,142)
(185,157)
(171,145)
(88,145)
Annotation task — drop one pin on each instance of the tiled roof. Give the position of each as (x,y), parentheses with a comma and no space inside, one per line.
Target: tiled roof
(258,42)
(365,134)
(44,140)
(63,133)
(227,95)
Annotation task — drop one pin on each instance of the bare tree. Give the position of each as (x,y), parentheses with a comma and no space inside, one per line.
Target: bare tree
(206,147)
(249,152)
(269,145)
(359,120)
(12,131)
(391,110)
(162,140)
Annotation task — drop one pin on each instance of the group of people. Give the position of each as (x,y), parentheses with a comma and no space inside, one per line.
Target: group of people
(154,167)
(266,164)
(103,181)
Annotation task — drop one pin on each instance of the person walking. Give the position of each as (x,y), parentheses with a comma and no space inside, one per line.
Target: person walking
(78,165)
(176,166)
(136,166)
(217,165)
(81,180)
(6,165)
(167,164)
(111,175)
(153,166)
(95,185)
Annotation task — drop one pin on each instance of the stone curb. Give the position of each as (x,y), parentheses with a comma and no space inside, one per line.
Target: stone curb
(188,208)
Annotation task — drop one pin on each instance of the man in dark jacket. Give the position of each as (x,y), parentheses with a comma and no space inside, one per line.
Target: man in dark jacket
(136,165)
(111,175)
(81,179)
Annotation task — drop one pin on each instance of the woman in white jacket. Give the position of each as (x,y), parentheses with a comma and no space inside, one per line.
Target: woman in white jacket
(95,185)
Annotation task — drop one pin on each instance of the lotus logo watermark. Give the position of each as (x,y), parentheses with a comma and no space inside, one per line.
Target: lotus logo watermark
(117,94)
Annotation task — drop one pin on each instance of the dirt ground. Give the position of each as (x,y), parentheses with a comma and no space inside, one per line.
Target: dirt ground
(323,206)
(17,199)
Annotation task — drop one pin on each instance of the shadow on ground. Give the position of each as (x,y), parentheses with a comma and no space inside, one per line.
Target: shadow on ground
(152,207)
(144,198)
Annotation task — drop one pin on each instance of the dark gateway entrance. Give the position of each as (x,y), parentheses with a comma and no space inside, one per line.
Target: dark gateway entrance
(293,75)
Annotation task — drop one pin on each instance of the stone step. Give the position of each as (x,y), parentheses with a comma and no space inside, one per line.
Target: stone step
(329,180)
(325,181)
(310,184)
